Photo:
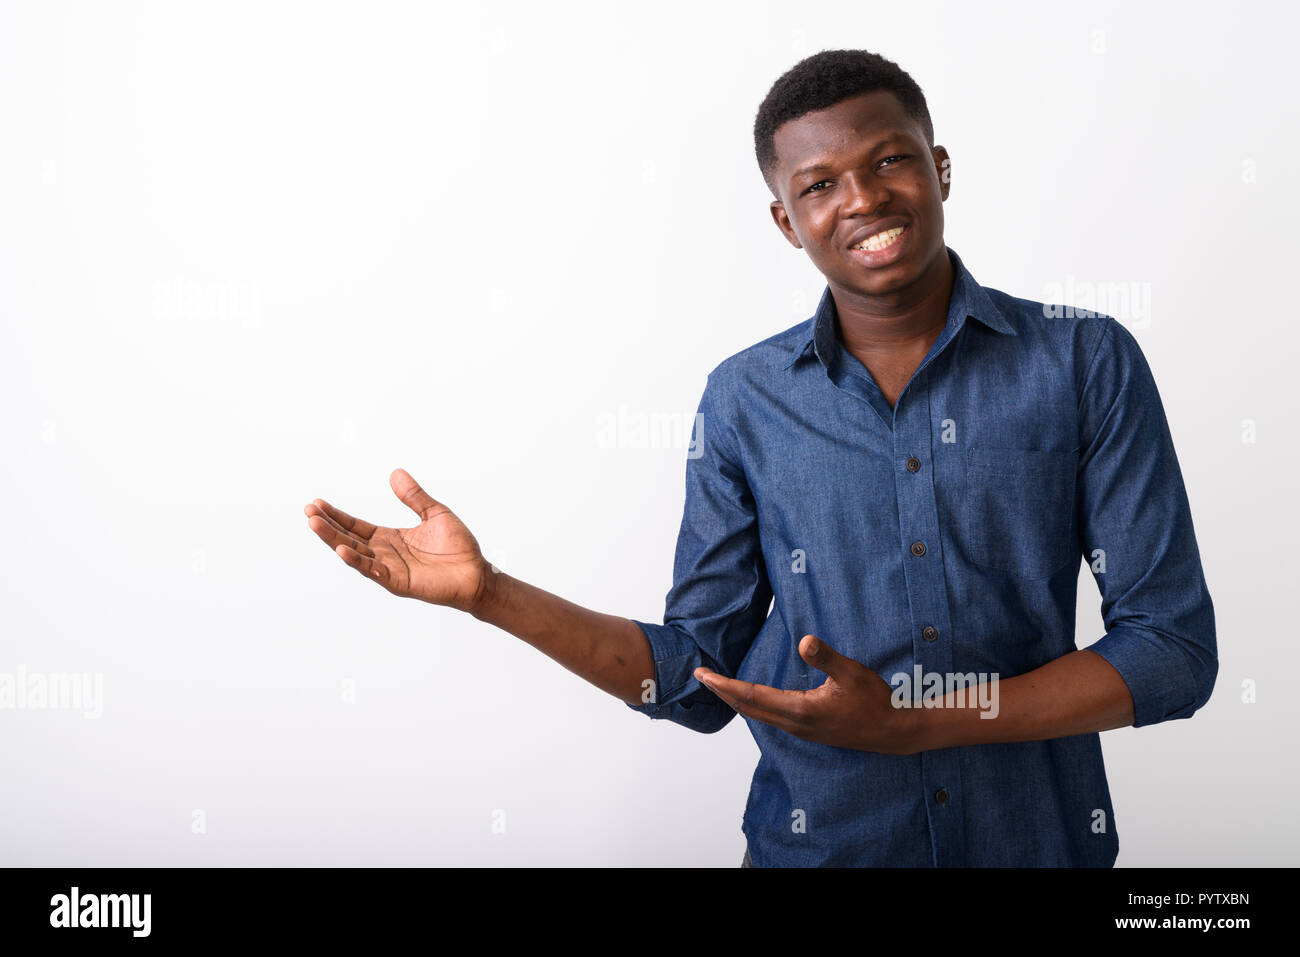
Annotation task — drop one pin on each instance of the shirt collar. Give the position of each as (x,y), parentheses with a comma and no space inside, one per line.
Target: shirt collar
(969,301)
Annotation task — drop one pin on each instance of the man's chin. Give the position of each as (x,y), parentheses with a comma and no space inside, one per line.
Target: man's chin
(883,281)
(890,279)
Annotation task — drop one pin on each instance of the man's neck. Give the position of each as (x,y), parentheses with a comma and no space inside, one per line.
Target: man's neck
(884,325)
(891,335)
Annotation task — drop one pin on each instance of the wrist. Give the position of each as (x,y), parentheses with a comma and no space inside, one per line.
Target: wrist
(916,729)
(490,593)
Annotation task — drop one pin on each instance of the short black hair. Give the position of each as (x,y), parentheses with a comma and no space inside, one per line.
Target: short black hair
(822,80)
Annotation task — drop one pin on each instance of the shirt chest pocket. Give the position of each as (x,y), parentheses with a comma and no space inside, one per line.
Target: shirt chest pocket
(1019,514)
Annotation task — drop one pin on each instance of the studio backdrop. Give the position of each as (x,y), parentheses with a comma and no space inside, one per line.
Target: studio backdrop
(252,254)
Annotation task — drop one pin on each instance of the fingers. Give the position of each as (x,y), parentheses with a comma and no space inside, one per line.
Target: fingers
(357,554)
(356,527)
(778,721)
(783,709)
(416,499)
(333,536)
(365,565)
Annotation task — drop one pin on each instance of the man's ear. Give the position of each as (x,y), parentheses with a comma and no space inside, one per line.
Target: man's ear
(942,166)
(782,220)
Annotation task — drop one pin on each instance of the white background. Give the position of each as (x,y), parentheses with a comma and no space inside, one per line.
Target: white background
(251,254)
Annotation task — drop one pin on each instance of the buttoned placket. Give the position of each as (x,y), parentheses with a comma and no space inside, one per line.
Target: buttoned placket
(911,426)
(927,596)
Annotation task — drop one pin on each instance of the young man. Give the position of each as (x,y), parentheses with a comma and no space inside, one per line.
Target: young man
(912,474)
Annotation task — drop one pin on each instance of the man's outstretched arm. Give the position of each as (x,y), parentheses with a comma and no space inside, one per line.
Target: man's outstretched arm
(610,652)
(439,561)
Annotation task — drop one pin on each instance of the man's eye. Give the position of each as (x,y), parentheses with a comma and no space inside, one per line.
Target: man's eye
(887,160)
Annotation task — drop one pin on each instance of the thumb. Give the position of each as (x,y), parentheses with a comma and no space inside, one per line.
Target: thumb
(408,490)
(825,658)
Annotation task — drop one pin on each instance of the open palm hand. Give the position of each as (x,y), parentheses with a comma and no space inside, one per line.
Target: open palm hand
(437,561)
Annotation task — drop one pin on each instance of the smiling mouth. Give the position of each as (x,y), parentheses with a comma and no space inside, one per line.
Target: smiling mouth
(881,240)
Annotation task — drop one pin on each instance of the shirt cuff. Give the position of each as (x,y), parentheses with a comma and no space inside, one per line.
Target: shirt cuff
(1155,670)
(677,696)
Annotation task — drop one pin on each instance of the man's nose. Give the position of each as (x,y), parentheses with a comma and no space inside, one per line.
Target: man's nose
(864,194)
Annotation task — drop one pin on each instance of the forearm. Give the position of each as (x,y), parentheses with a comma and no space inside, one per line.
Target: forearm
(609,651)
(1078,693)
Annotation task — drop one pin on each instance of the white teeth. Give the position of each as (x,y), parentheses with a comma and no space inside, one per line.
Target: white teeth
(881,240)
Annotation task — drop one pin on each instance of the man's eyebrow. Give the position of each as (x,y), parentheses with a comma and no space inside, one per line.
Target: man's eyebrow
(822,165)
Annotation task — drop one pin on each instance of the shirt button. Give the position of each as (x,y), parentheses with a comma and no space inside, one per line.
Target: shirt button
(929,633)
(918,549)
(914,464)
(941,795)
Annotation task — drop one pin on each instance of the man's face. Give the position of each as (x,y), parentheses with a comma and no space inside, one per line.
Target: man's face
(851,171)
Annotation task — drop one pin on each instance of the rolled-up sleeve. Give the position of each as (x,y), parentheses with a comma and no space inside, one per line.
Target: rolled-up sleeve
(720,593)
(1135,528)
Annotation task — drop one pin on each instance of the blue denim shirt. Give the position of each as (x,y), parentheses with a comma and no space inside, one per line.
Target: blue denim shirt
(1025,441)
